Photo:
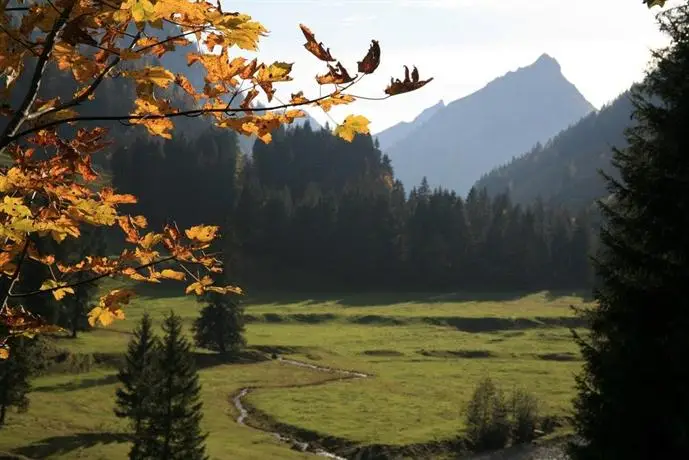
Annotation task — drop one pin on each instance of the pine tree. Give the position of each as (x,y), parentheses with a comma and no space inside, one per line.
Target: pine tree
(633,395)
(14,377)
(138,376)
(175,427)
(220,326)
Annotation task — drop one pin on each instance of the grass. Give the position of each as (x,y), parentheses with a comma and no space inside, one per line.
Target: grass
(423,372)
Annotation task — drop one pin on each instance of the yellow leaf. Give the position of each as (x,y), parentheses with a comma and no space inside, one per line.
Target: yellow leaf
(104,316)
(60,293)
(353,124)
(202,233)
(4,352)
(172,274)
(157,75)
(336,99)
(198,287)
(150,240)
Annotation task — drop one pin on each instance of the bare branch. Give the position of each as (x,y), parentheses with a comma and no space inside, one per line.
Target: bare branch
(20,115)
(184,113)
(15,276)
(85,95)
(88,280)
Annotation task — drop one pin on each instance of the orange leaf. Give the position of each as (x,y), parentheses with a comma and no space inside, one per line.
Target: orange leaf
(372,59)
(315,48)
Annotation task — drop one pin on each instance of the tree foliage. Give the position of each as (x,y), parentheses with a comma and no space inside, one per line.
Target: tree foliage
(633,394)
(50,188)
(134,399)
(175,429)
(220,326)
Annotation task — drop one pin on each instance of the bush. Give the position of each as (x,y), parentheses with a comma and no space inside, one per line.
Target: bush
(524,416)
(487,417)
(493,421)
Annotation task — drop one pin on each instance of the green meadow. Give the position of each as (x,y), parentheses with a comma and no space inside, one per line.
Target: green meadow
(423,354)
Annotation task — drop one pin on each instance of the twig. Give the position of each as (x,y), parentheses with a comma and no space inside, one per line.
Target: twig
(21,113)
(186,113)
(88,280)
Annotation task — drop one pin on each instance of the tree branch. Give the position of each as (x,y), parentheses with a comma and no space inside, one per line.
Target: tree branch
(21,113)
(184,113)
(88,280)
(84,96)
(15,276)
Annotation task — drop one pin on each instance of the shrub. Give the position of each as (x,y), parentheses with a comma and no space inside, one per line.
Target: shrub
(487,417)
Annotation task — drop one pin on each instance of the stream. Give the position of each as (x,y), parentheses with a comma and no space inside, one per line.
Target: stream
(302,446)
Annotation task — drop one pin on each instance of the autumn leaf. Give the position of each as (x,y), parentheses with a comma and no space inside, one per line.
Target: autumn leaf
(372,59)
(336,75)
(58,292)
(398,86)
(336,98)
(172,275)
(315,48)
(4,351)
(157,75)
(202,233)
(150,240)
(652,3)
(110,307)
(352,125)
(199,287)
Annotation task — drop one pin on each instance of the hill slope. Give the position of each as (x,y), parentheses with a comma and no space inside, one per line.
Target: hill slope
(474,134)
(565,170)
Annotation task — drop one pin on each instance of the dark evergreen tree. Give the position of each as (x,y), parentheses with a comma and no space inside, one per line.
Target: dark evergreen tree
(175,429)
(633,395)
(15,372)
(135,398)
(220,327)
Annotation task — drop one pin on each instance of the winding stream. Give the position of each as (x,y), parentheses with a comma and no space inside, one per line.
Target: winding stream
(302,446)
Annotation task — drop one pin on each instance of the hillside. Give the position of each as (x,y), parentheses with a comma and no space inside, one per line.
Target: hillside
(390,137)
(565,170)
(473,134)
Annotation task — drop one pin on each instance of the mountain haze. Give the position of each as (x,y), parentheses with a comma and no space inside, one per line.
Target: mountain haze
(461,141)
(389,137)
(565,170)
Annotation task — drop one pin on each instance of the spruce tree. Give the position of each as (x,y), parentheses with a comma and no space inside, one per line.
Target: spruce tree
(633,395)
(220,327)
(14,377)
(176,423)
(138,377)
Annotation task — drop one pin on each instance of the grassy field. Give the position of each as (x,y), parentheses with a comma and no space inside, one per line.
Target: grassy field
(424,352)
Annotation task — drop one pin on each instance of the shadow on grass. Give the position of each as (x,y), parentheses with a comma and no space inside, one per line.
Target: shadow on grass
(374,299)
(60,445)
(77,385)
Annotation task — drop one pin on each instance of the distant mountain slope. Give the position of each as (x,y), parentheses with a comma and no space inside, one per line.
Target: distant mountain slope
(566,169)
(474,134)
(389,137)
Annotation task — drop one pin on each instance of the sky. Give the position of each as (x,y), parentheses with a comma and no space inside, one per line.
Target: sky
(602,46)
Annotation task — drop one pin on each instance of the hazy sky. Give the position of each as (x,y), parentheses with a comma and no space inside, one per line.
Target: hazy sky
(602,45)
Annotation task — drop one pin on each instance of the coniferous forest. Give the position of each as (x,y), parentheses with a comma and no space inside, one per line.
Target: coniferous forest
(310,210)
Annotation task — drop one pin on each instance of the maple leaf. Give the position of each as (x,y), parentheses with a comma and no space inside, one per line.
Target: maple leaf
(315,48)
(4,351)
(298,98)
(172,274)
(398,86)
(199,287)
(150,240)
(372,59)
(336,98)
(59,293)
(110,307)
(352,125)
(652,3)
(336,75)
(202,233)
(157,75)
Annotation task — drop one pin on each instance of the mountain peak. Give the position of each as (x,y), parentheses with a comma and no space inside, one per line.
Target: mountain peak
(546,62)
